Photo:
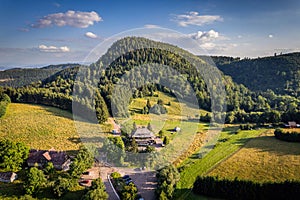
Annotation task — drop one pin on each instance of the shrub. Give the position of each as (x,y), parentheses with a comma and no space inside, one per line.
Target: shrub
(287,136)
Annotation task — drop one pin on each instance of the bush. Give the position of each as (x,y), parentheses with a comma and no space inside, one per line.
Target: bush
(287,136)
(115,175)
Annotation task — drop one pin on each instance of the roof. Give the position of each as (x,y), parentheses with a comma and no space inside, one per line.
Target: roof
(56,157)
(292,123)
(142,133)
(47,156)
(7,175)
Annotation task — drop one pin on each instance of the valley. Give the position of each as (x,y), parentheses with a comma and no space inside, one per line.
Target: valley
(153,127)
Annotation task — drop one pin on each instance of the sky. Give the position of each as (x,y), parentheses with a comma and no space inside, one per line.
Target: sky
(38,33)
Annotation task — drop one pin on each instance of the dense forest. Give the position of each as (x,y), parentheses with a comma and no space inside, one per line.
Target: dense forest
(19,77)
(259,74)
(158,61)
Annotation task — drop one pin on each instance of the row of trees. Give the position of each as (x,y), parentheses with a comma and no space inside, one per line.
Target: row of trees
(241,189)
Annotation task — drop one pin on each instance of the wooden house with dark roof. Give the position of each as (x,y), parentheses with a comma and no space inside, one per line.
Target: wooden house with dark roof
(143,136)
(60,160)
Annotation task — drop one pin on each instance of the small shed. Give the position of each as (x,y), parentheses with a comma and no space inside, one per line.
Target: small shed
(177,129)
(292,124)
(8,177)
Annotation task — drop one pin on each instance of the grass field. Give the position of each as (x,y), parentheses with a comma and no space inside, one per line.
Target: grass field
(264,158)
(195,166)
(40,127)
(175,110)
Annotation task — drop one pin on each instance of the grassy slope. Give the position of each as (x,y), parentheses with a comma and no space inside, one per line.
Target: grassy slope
(195,166)
(42,127)
(263,159)
(39,127)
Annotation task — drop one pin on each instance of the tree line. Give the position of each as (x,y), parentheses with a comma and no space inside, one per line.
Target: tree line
(242,189)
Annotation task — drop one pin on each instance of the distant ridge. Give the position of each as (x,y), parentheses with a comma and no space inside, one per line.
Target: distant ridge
(18,77)
(280,73)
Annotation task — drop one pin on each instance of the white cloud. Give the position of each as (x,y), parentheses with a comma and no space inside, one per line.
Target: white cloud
(151,26)
(212,41)
(270,36)
(53,49)
(70,18)
(90,35)
(205,35)
(193,18)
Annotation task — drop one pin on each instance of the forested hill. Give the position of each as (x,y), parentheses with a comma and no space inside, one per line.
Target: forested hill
(279,73)
(243,105)
(19,77)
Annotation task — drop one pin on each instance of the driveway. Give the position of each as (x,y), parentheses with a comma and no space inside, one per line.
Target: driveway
(144,180)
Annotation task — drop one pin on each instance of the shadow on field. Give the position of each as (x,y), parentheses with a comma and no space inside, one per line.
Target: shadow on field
(189,194)
(272,145)
(59,112)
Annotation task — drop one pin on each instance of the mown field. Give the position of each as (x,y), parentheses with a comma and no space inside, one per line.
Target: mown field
(228,143)
(263,159)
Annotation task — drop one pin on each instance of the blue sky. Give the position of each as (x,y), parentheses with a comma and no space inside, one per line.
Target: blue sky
(35,33)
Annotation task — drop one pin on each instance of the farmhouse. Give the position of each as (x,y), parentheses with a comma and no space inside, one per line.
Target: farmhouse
(60,160)
(8,177)
(143,136)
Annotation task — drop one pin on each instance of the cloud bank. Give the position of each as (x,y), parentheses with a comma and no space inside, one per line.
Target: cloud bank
(53,49)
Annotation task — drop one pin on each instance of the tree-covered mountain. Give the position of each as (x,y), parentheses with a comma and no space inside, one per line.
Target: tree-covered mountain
(78,84)
(19,77)
(280,73)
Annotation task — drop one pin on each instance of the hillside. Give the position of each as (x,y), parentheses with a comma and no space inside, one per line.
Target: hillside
(243,105)
(279,73)
(19,77)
